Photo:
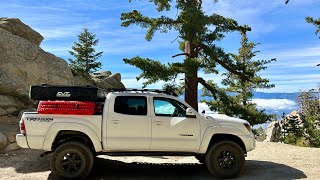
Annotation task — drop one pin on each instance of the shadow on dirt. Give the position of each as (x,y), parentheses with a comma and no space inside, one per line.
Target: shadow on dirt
(112,169)
(25,161)
(29,161)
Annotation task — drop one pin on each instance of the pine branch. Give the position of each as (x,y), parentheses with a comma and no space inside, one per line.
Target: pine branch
(155,71)
(213,91)
(224,24)
(153,24)
(225,62)
(315,22)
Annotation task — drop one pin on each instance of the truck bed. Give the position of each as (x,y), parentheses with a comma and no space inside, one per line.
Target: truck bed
(42,128)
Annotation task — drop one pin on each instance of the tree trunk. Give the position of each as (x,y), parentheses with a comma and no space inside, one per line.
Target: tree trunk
(191,74)
(191,89)
(191,78)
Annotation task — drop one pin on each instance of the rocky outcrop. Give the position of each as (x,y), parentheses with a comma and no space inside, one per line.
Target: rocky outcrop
(107,80)
(24,63)
(272,130)
(103,79)
(16,27)
(8,130)
(292,121)
(3,141)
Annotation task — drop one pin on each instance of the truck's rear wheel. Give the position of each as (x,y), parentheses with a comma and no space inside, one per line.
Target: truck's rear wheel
(72,160)
(225,159)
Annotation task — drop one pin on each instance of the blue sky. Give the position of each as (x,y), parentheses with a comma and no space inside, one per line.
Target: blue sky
(281,29)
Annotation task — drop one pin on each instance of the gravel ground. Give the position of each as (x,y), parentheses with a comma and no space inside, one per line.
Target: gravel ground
(267,161)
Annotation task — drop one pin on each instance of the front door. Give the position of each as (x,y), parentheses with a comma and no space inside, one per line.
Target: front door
(171,129)
(128,124)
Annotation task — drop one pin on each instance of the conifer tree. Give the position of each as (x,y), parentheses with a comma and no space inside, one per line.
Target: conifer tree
(85,54)
(198,33)
(236,98)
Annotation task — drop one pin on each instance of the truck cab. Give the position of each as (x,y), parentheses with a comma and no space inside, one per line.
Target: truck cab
(138,123)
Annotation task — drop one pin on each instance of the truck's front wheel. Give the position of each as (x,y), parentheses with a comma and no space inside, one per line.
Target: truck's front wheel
(225,159)
(72,160)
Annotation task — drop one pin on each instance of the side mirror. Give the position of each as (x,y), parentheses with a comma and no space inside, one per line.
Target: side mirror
(190,113)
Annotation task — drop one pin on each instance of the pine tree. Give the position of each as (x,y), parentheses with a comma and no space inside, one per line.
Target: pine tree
(85,54)
(236,98)
(198,33)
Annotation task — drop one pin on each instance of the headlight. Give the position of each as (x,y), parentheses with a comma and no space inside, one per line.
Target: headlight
(247,126)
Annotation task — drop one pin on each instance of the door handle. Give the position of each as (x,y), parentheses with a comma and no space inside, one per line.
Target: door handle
(115,121)
(158,122)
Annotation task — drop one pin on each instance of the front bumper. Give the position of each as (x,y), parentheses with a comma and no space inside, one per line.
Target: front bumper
(249,142)
(22,141)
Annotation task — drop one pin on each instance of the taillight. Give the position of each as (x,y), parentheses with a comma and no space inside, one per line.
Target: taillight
(22,127)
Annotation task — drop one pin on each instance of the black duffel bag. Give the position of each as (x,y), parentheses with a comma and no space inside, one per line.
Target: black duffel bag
(69,93)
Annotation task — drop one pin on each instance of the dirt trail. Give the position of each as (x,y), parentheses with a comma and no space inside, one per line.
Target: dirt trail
(267,161)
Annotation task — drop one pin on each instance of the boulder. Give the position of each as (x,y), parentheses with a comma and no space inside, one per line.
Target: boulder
(292,121)
(24,63)
(18,28)
(80,79)
(11,136)
(101,74)
(26,110)
(116,76)
(11,105)
(11,147)
(104,81)
(3,141)
(272,131)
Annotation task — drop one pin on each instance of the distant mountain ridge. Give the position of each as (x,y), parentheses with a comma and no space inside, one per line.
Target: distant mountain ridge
(263,95)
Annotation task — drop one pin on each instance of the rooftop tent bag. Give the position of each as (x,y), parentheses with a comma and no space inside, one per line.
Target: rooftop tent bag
(68,93)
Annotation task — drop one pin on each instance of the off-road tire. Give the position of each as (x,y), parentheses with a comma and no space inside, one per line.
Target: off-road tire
(73,155)
(225,159)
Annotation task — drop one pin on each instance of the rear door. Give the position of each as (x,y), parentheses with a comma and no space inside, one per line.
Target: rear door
(171,129)
(129,124)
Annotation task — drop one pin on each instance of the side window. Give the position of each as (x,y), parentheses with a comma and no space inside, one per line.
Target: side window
(168,107)
(131,105)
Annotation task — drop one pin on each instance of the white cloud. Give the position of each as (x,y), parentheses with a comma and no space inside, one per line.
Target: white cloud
(275,104)
(204,107)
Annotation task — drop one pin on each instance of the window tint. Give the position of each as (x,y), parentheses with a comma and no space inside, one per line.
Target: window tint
(132,105)
(169,107)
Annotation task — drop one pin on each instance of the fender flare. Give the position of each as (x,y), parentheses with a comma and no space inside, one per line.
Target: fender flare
(57,127)
(212,130)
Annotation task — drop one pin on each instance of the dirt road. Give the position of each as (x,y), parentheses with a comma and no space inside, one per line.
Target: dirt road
(267,161)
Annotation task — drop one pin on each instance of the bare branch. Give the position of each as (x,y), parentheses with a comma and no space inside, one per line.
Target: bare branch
(181,54)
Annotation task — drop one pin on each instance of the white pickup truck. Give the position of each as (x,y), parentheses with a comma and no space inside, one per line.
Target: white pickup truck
(138,123)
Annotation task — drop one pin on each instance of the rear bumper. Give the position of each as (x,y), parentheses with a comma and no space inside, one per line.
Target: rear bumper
(22,141)
(249,142)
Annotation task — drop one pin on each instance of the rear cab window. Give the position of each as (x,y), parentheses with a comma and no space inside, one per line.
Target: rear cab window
(131,105)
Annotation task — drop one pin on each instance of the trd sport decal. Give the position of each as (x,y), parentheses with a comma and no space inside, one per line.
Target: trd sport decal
(39,119)
(186,135)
